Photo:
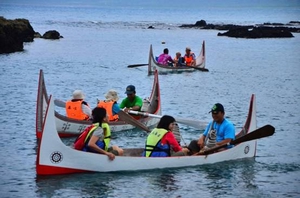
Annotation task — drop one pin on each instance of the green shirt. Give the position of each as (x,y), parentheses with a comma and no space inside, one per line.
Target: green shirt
(137,101)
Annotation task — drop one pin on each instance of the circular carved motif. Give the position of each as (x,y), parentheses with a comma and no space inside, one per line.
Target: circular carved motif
(56,157)
(246,150)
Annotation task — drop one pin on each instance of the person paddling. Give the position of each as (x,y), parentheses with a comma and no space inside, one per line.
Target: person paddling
(218,132)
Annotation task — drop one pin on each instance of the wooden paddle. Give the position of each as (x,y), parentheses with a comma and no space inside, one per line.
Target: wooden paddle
(130,120)
(137,65)
(262,132)
(189,122)
(199,68)
(123,116)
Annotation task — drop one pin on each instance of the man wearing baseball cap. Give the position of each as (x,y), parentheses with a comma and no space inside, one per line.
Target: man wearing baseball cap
(223,128)
(132,101)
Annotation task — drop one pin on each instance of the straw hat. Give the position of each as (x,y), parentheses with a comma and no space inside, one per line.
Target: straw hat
(112,95)
(78,95)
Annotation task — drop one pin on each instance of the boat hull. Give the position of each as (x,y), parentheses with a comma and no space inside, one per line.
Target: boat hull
(54,157)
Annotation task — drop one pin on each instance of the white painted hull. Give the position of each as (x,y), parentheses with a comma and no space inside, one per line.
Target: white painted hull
(54,157)
(163,69)
(69,127)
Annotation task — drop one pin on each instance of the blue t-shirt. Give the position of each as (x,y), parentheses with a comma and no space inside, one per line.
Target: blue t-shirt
(224,130)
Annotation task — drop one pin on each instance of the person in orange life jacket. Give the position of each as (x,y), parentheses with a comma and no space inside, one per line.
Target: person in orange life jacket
(99,139)
(161,142)
(165,58)
(77,108)
(111,105)
(189,57)
(178,60)
(223,128)
(132,101)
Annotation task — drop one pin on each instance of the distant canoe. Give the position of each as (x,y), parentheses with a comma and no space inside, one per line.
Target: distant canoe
(163,69)
(54,157)
(67,127)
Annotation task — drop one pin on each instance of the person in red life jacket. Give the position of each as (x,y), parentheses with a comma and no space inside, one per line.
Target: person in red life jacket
(165,58)
(77,108)
(189,57)
(111,105)
(161,142)
(98,139)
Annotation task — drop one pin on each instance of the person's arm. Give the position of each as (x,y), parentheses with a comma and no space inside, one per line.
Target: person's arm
(194,56)
(86,110)
(201,140)
(170,59)
(138,104)
(97,134)
(170,138)
(115,108)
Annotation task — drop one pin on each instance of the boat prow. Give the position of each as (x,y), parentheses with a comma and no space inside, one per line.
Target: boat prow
(54,157)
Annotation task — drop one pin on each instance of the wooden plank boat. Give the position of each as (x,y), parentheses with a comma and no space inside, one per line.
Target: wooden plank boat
(67,127)
(54,157)
(164,69)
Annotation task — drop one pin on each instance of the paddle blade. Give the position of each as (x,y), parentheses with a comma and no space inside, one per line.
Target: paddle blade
(201,69)
(137,65)
(130,120)
(262,132)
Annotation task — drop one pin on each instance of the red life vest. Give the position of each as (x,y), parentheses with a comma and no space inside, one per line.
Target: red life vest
(188,59)
(74,110)
(108,106)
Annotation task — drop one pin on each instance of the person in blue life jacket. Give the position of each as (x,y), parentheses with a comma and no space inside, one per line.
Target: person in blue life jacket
(218,132)
(161,142)
(98,140)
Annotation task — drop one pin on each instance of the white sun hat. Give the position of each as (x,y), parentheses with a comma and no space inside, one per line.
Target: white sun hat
(78,95)
(112,95)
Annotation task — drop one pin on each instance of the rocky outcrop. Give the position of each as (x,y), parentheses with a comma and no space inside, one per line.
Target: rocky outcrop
(52,34)
(13,33)
(257,32)
(265,30)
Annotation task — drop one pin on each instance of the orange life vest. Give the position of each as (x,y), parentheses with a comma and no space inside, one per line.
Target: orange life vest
(74,110)
(188,59)
(108,106)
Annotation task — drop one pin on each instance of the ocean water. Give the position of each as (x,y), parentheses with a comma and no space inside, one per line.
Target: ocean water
(101,38)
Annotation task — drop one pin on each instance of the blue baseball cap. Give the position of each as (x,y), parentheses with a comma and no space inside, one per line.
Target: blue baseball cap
(130,89)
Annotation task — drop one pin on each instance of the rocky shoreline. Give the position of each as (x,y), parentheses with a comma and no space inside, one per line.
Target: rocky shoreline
(265,30)
(13,33)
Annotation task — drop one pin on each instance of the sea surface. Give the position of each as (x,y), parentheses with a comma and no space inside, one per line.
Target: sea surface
(101,38)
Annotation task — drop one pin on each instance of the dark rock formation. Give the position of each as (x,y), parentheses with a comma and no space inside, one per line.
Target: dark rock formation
(13,33)
(52,34)
(257,32)
(266,30)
